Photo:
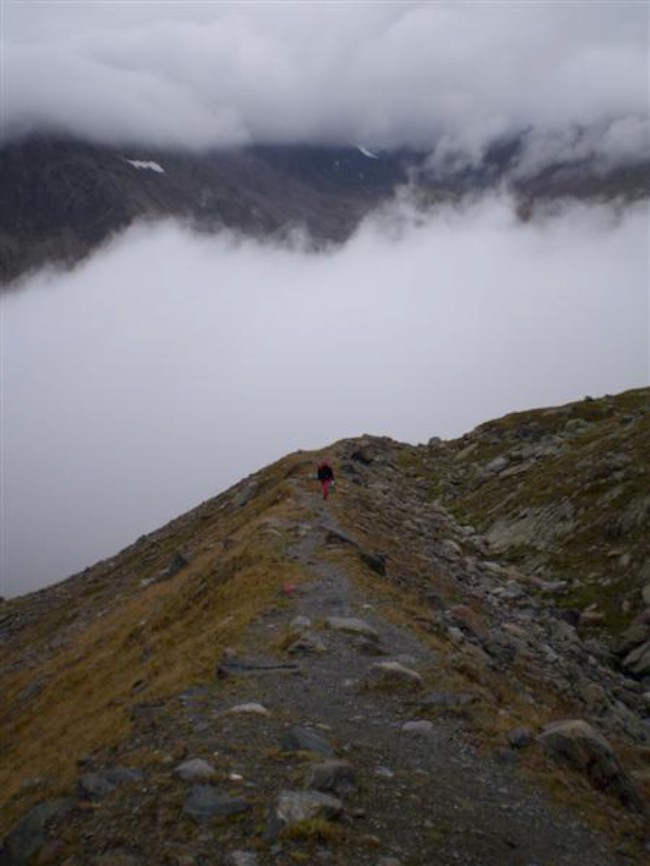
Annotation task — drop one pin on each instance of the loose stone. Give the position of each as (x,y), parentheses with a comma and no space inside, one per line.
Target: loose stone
(351,625)
(305,739)
(205,803)
(295,807)
(419,727)
(392,675)
(195,770)
(576,743)
(336,776)
(251,709)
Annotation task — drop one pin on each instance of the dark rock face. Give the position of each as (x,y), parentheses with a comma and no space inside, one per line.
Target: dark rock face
(62,198)
(59,199)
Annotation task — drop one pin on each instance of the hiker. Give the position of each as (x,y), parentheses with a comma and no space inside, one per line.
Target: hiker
(325,475)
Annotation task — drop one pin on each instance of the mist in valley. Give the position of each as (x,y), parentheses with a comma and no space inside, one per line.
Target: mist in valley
(170,365)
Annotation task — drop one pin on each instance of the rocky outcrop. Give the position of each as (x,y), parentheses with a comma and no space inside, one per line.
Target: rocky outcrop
(579,745)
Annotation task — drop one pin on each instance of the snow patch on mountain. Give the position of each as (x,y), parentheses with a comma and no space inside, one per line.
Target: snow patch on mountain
(366,152)
(146,166)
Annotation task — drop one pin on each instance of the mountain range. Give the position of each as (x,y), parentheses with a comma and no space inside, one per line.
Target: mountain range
(61,198)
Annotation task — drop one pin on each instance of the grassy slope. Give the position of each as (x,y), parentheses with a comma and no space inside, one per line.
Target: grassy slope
(94,647)
(601,476)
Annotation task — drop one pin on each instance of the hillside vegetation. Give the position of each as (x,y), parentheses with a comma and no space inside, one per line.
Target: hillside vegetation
(504,578)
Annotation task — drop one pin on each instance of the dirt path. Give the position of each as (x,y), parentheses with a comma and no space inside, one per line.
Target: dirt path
(425,797)
(421,797)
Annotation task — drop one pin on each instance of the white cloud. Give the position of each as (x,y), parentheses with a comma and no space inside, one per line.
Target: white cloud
(384,74)
(169,365)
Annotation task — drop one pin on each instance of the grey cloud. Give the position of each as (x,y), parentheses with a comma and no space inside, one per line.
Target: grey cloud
(169,365)
(381,74)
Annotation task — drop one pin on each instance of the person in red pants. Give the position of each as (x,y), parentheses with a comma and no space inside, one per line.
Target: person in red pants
(325,475)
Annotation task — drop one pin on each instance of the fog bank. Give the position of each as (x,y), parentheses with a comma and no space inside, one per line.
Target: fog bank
(453,76)
(169,365)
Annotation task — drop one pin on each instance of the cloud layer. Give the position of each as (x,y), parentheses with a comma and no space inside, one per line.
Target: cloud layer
(382,74)
(169,365)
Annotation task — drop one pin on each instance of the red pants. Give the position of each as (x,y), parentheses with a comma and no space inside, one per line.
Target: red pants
(327,483)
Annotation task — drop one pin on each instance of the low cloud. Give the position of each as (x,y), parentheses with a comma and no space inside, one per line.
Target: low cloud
(170,365)
(198,75)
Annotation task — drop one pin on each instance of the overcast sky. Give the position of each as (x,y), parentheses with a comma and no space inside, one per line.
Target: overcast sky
(375,73)
(168,366)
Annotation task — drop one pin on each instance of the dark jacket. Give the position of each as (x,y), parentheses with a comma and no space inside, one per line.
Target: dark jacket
(325,472)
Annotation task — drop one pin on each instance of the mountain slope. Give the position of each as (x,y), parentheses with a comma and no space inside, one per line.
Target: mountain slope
(60,199)
(115,677)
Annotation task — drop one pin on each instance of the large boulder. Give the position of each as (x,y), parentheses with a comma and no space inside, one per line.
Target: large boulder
(577,744)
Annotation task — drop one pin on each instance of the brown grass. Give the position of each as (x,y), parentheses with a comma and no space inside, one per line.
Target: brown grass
(161,638)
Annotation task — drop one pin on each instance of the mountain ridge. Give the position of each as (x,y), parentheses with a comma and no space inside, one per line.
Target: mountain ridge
(96,667)
(61,198)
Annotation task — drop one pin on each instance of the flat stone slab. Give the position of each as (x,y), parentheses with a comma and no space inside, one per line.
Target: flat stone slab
(204,803)
(392,675)
(351,625)
(299,739)
(446,700)
(250,668)
(251,709)
(418,728)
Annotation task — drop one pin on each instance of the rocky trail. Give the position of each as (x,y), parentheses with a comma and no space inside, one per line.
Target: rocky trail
(327,736)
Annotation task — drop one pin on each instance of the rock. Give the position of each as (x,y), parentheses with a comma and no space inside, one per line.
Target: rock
(204,804)
(470,621)
(497,465)
(374,561)
(296,807)
(299,739)
(93,786)
(418,727)
(28,836)
(123,775)
(195,770)
(434,442)
(299,622)
(638,661)
(335,776)
(392,675)
(633,637)
(177,563)
(351,625)
(368,646)
(251,709)
(241,858)
(307,644)
(577,744)
(591,617)
(594,696)
(244,496)
(519,738)
(447,700)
